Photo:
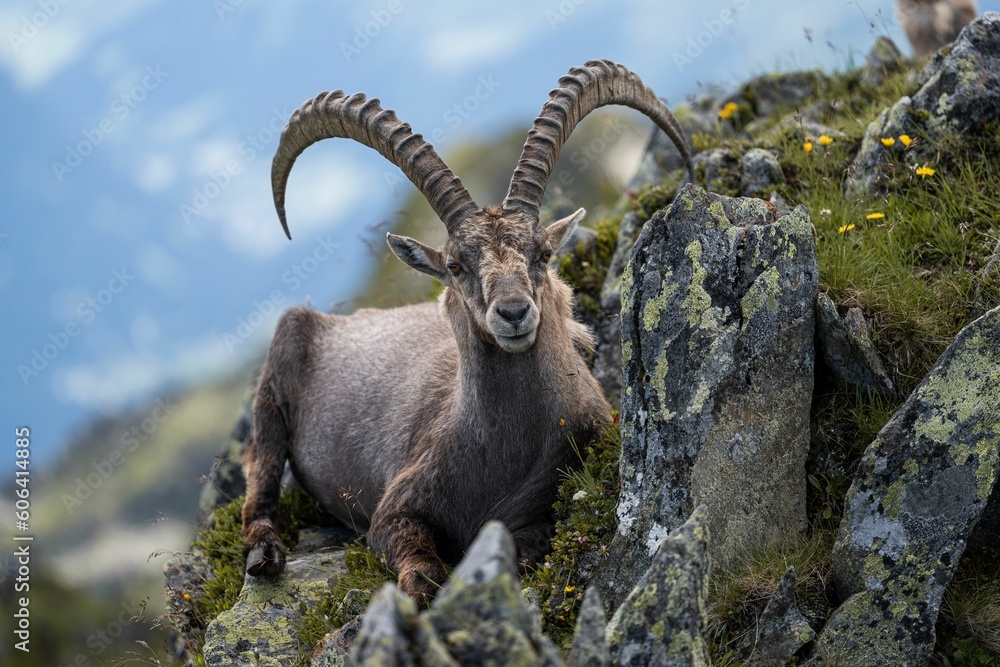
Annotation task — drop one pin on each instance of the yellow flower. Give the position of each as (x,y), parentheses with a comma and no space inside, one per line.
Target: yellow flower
(905,140)
(875,216)
(888,141)
(562,422)
(570,589)
(728,110)
(924,172)
(187,597)
(846,228)
(825,140)
(808,146)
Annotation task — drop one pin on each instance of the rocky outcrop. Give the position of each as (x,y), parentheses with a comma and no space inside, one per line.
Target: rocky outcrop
(717,342)
(957,94)
(847,350)
(664,619)
(883,60)
(760,172)
(481,618)
(265,622)
(782,630)
(922,486)
(478,618)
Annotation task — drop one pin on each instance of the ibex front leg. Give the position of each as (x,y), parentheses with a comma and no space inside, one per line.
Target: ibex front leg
(406,540)
(263,465)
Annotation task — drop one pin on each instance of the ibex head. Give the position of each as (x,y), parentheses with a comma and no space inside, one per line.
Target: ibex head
(496,258)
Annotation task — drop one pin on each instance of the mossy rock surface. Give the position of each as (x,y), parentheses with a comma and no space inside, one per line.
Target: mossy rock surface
(266,623)
(717,343)
(922,487)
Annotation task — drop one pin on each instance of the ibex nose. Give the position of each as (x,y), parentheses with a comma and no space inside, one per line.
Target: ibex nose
(513,313)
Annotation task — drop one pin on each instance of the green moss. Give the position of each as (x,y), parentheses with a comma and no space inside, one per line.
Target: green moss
(586,522)
(586,268)
(222,544)
(652,198)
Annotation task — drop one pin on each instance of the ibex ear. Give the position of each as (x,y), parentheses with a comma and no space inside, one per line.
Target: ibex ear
(421,257)
(560,231)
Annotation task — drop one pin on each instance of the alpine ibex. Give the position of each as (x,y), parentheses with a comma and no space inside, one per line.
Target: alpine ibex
(421,423)
(930,24)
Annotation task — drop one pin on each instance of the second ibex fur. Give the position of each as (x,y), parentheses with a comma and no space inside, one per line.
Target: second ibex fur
(421,423)
(930,24)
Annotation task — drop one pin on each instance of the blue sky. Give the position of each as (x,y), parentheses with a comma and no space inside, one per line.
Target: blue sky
(139,249)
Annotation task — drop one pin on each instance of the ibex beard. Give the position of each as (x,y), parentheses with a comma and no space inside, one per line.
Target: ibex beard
(419,424)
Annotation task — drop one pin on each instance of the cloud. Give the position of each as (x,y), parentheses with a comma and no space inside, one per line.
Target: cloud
(457,48)
(45,39)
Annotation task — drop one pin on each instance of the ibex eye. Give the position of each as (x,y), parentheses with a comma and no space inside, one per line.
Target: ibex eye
(455,269)
(547,255)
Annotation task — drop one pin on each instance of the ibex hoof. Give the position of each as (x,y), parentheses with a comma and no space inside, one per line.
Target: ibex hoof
(422,584)
(265,560)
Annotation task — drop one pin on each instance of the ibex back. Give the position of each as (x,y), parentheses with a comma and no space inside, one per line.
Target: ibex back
(421,423)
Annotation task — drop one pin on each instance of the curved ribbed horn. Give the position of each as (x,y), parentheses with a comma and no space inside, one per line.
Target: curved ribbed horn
(596,84)
(333,114)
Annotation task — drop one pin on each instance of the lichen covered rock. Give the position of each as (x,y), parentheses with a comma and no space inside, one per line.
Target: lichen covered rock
(761,171)
(782,629)
(590,647)
(479,617)
(717,342)
(263,626)
(847,350)
(922,486)
(663,621)
(958,93)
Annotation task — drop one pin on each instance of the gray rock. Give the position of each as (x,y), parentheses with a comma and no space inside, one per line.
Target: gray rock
(779,203)
(590,648)
(761,172)
(384,637)
(663,621)
(922,486)
(771,93)
(721,170)
(883,60)
(333,650)
(717,342)
(782,629)
(847,350)
(481,616)
(263,626)
(958,93)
